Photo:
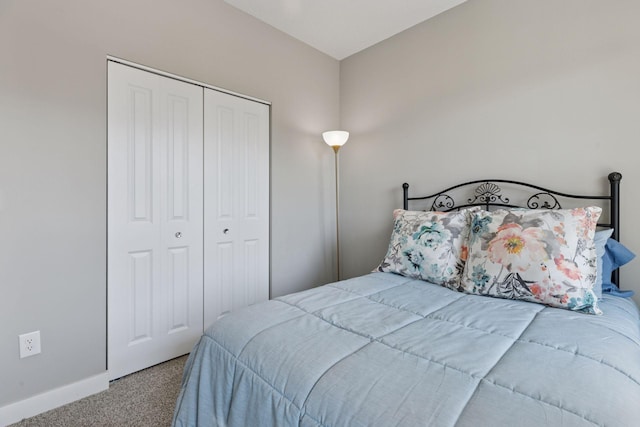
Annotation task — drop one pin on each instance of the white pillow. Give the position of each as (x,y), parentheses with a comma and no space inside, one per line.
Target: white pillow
(429,246)
(544,256)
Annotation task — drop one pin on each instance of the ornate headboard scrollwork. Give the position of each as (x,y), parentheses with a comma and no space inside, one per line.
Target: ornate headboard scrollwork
(488,193)
(543,201)
(491,194)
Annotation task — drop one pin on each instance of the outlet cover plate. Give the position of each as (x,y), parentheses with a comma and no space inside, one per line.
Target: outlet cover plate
(29,344)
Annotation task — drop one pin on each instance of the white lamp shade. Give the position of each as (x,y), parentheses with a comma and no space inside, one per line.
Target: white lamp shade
(335,138)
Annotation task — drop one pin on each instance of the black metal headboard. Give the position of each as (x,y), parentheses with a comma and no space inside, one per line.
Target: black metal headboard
(488,193)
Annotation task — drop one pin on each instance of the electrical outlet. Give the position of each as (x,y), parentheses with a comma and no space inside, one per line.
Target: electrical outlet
(29,344)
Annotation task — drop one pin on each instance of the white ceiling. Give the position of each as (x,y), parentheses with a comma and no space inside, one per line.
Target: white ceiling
(341,28)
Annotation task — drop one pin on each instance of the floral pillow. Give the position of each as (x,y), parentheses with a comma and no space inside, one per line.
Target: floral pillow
(429,246)
(543,256)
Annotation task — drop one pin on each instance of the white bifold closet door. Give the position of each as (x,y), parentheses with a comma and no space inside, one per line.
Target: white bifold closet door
(155,218)
(236,153)
(188,213)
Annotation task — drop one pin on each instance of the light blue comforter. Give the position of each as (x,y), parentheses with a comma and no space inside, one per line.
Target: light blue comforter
(384,350)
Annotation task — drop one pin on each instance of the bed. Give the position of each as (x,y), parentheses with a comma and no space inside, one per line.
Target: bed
(392,349)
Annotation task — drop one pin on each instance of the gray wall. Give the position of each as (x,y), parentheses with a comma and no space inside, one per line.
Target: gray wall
(545,91)
(53,159)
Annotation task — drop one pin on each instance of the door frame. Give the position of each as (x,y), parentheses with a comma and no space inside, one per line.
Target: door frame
(184,79)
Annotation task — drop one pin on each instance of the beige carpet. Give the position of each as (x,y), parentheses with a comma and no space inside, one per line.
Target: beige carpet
(146,398)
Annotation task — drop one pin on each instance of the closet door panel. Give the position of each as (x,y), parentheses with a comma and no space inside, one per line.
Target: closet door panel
(236,203)
(155,223)
(139,297)
(224,166)
(178,157)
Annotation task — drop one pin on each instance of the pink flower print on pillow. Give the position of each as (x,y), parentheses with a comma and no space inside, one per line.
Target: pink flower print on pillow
(567,267)
(516,248)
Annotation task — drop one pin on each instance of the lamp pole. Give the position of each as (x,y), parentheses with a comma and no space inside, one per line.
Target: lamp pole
(336,148)
(336,139)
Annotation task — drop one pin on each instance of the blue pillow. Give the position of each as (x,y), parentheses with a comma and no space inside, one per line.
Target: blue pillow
(600,240)
(616,255)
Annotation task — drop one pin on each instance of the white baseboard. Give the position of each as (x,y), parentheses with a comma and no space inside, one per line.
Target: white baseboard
(52,399)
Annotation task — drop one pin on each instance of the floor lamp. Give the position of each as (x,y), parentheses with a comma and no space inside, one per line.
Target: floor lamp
(336,139)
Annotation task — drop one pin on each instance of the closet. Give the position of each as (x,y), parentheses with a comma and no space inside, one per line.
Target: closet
(187,209)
